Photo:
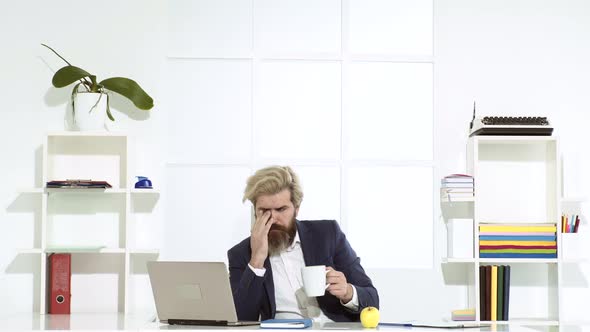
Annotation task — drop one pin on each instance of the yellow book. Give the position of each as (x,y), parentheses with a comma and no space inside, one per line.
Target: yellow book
(464,312)
(517,243)
(494,293)
(514,229)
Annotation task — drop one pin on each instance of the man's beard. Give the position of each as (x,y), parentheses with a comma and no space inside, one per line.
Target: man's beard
(280,238)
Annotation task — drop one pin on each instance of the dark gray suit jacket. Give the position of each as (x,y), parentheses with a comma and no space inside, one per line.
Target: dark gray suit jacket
(322,243)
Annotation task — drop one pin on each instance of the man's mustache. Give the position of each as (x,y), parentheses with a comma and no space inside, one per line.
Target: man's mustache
(275,227)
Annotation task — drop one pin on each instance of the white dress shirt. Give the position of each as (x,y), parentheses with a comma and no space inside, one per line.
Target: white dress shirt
(290,298)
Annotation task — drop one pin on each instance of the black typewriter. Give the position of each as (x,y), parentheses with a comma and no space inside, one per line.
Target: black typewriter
(510,125)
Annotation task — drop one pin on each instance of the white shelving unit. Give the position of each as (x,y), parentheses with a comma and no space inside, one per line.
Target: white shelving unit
(517,180)
(94,225)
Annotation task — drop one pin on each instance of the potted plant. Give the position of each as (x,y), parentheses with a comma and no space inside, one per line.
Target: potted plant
(90,100)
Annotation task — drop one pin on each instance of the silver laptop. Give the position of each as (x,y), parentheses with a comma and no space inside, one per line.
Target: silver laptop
(193,293)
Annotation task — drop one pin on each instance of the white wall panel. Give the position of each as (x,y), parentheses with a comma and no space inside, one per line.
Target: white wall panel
(395,27)
(210,112)
(297,27)
(209,28)
(390,111)
(206,216)
(389,216)
(297,109)
(19,282)
(321,190)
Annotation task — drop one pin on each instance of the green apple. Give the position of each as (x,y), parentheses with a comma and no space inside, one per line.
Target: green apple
(370,317)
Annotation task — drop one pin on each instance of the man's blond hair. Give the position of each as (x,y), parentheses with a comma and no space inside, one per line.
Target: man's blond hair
(272,180)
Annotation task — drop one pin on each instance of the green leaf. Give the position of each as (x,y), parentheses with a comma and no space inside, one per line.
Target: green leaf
(129,89)
(68,75)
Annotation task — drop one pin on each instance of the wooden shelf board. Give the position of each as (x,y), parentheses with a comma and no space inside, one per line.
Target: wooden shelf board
(457,200)
(484,139)
(85,190)
(85,250)
(144,191)
(89,133)
(458,260)
(573,199)
(145,252)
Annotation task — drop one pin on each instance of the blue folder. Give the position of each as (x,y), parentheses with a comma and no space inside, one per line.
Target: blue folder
(517,237)
(298,323)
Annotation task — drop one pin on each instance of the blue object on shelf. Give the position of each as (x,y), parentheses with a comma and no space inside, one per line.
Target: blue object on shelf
(143,182)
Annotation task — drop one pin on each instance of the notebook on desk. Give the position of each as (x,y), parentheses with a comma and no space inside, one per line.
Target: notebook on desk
(193,293)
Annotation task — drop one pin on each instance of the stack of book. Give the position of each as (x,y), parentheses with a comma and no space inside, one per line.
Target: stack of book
(463,315)
(517,241)
(456,187)
(494,292)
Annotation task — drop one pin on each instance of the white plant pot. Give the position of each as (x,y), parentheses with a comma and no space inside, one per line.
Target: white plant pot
(90,110)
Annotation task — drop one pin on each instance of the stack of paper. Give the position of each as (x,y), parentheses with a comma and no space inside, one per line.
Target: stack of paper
(456,187)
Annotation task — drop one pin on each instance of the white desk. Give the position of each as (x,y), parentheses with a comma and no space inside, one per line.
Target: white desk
(98,322)
(145,322)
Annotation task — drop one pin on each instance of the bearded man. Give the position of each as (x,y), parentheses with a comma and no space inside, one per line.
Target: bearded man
(265,268)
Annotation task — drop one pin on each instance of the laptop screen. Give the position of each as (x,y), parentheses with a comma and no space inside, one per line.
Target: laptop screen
(192,291)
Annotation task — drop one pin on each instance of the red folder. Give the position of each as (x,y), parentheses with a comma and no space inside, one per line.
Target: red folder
(60,276)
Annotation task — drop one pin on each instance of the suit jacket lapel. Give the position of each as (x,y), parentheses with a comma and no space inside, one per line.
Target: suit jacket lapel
(306,238)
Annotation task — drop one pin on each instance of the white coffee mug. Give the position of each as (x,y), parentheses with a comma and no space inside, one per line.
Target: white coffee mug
(314,280)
